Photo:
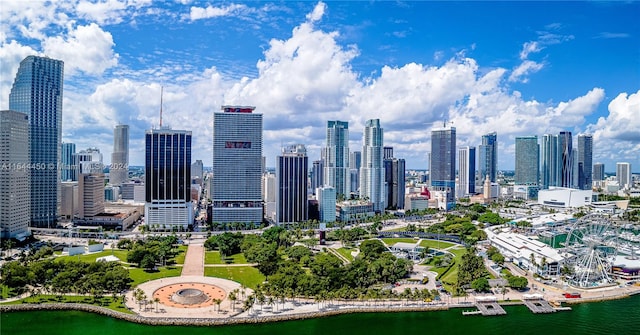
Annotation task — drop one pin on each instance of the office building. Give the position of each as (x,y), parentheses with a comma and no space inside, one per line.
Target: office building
(466,171)
(197,172)
(15,178)
(442,168)
(317,174)
(119,168)
(372,170)
(326,196)
(623,174)
(37,92)
(237,165)
(68,170)
(598,172)
(565,152)
(90,195)
(394,174)
(167,179)
(336,168)
(585,161)
(388,153)
(527,160)
(488,151)
(291,178)
(550,167)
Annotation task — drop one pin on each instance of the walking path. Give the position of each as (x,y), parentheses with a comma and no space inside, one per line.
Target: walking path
(194,261)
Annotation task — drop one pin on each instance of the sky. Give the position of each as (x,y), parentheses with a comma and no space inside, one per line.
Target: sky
(516,68)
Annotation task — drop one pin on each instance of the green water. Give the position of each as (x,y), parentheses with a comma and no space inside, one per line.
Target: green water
(619,316)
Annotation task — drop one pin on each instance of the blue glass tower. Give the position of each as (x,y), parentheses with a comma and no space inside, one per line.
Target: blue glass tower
(336,168)
(37,91)
(489,157)
(443,162)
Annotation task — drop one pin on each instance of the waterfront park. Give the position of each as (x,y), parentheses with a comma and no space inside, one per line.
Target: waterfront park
(425,260)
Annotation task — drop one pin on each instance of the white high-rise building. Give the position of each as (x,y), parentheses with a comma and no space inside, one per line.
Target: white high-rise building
(119,168)
(623,174)
(237,165)
(372,169)
(15,179)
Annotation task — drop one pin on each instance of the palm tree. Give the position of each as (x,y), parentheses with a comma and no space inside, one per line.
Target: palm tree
(532,259)
(233,298)
(156,300)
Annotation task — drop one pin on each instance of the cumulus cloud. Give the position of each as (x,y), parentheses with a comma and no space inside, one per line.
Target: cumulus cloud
(198,13)
(520,73)
(317,13)
(11,54)
(623,122)
(88,49)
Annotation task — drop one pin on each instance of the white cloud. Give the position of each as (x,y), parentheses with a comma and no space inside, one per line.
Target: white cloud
(108,11)
(526,68)
(11,54)
(317,13)
(88,49)
(198,13)
(530,47)
(622,123)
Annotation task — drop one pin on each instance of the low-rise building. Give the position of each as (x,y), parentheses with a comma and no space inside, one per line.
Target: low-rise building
(354,210)
(565,197)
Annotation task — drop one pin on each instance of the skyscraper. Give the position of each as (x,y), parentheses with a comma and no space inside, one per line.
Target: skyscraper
(355,162)
(336,168)
(565,148)
(167,178)
(585,161)
(326,196)
(623,174)
(489,157)
(119,169)
(527,160)
(598,171)
(550,161)
(388,153)
(15,179)
(291,180)
(372,170)
(466,171)
(67,168)
(197,171)
(37,92)
(317,174)
(237,165)
(443,162)
(394,175)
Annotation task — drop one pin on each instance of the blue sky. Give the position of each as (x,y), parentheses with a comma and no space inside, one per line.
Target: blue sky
(517,68)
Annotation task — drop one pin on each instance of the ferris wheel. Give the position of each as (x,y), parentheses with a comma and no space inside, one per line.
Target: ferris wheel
(590,250)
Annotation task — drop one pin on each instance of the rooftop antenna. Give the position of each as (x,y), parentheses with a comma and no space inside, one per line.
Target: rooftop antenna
(161,92)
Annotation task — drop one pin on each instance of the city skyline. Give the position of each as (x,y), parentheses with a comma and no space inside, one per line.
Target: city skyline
(403,63)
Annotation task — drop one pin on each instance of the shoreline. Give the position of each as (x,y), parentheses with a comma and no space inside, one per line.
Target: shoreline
(178,321)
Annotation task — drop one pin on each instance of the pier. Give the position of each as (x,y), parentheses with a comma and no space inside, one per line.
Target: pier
(537,304)
(487,306)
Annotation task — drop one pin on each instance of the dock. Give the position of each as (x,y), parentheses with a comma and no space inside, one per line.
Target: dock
(490,308)
(471,312)
(539,306)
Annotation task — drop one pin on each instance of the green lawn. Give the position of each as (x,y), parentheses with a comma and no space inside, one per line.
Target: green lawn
(106,301)
(121,254)
(213,257)
(245,275)
(140,276)
(182,252)
(392,241)
(346,253)
(435,244)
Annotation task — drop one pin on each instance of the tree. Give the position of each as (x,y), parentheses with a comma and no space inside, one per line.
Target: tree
(233,297)
(517,282)
(371,249)
(481,285)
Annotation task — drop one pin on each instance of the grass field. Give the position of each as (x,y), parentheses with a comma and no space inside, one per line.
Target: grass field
(106,301)
(140,276)
(121,254)
(435,244)
(392,241)
(245,275)
(346,253)
(213,257)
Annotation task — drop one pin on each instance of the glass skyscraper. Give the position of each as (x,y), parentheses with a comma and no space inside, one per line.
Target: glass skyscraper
(565,148)
(489,157)
(372,169)
(37,92)
(168,179)
(291,181)
(119,168)
(466,171)
(585,161)
(336,168)
(598,171)
(68,169)
(527,161)
(550,161)
(237,165)
(442,169)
